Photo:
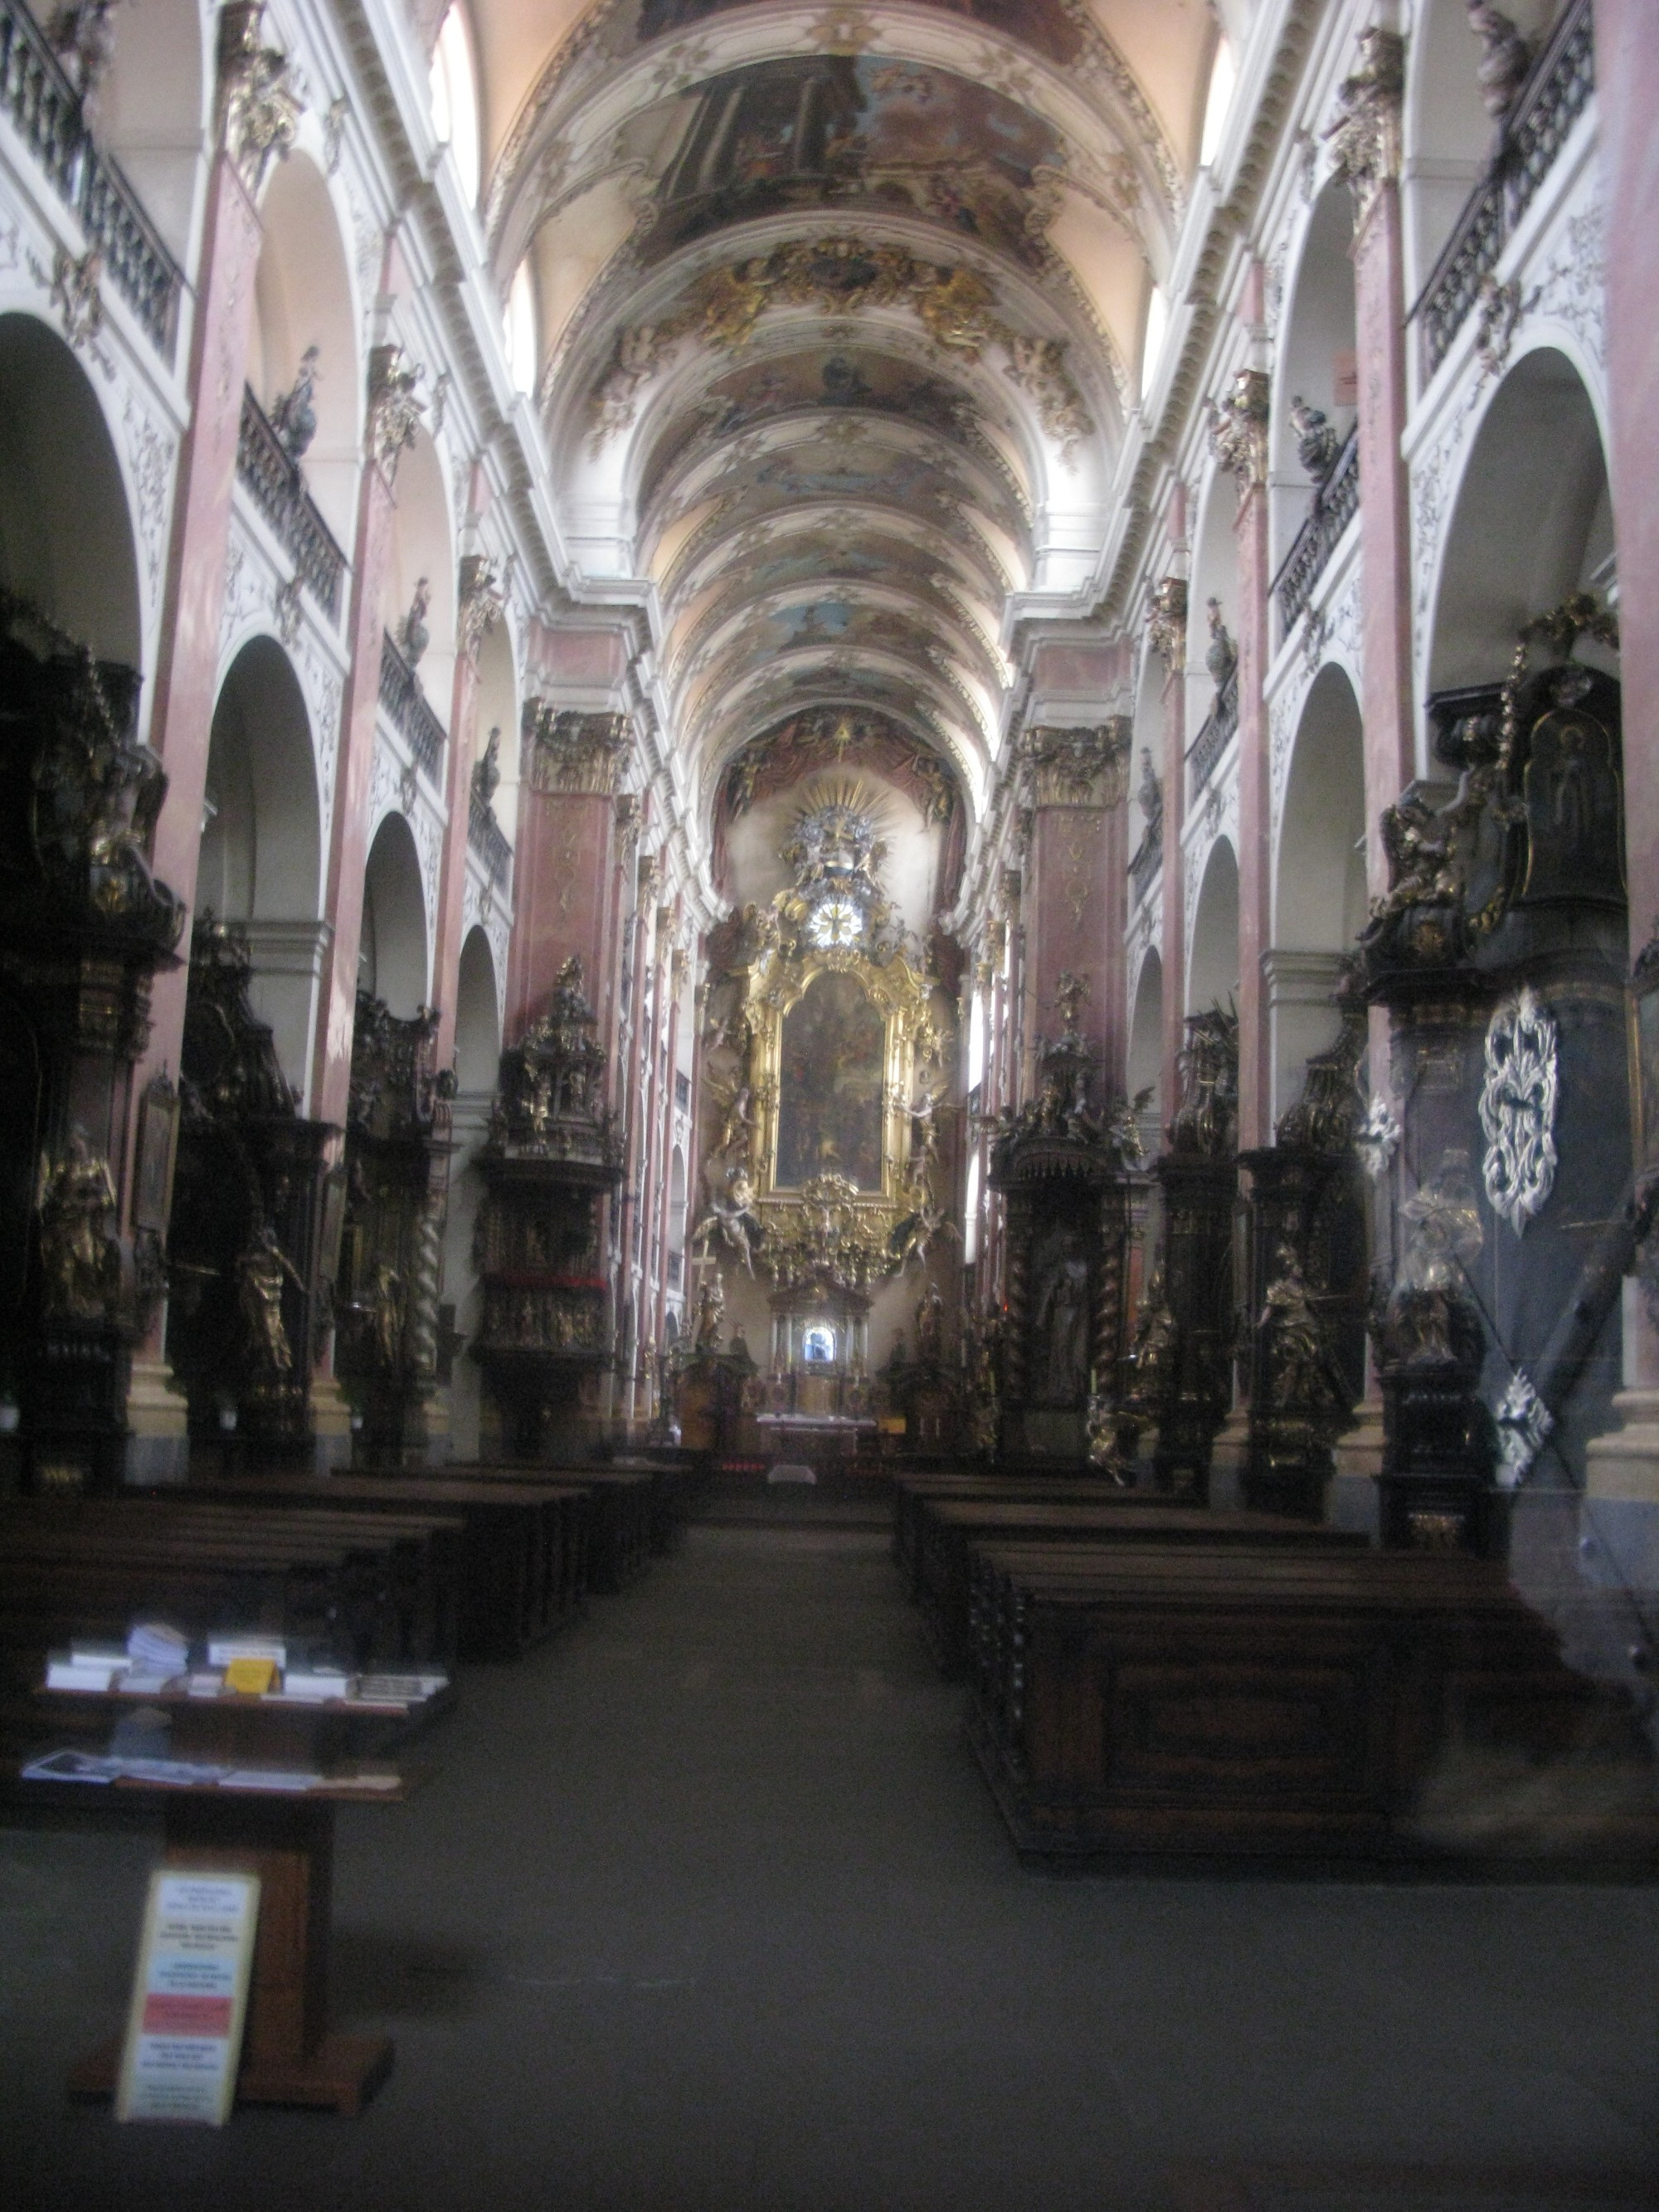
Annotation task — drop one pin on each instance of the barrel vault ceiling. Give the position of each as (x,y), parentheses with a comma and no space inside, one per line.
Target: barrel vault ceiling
(840,313)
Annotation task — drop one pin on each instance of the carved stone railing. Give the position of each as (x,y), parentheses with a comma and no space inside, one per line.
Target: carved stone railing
(1145,865)
(280,494)
(406,703)
(43,105)
(485,836)
(1335,503)
(1534,132)
(1213,740)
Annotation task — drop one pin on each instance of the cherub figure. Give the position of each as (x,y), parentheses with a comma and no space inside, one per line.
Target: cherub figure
(732,1220)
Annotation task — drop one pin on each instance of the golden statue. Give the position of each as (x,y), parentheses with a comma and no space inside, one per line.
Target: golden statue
(261,1269)
(80,1262)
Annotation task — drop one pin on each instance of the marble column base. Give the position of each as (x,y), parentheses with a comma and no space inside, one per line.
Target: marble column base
(331,1427)
(1352,1501)
(1228,1455)
(1619,1513)
(157,1448)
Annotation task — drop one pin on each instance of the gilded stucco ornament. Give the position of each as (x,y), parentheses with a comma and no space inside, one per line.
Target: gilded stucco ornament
(394,411)
(481,602)
(1518,1100)
(259,103)
(1364,135)
(1087,766)
(1238,427)
(1166,621)
(79,1259)
(575,754)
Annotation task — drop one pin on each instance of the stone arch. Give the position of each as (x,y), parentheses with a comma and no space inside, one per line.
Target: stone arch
(1532,520)
(1212,960)
(260,863)
(498,709)
(1145,1063)
(1318,330)
(1319,878)
(477,1015)
(66,538)
(303,296)
(153,112)
(422,550)
(1214,575)
(394,959)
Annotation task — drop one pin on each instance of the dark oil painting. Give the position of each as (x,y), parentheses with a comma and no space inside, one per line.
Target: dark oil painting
(829,1094)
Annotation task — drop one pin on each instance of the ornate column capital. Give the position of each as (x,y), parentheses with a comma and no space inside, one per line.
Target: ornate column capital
(573,754)
(394,412)
(1085,767)
(259,103)
(1238,428)
(629,823)
(1166,621)
(1364,134)
(481,603)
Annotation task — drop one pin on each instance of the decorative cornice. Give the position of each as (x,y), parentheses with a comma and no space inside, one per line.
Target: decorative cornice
(1364,136)
(1166,621)
(573,754)
(394,412)
(259,103)
(1238,428)
(1087,767)
(481,602)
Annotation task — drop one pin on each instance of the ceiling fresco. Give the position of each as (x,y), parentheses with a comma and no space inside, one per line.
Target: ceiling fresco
(839,310)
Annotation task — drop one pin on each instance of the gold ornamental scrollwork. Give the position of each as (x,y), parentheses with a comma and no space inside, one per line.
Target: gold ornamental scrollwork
(572,754)
(481,603)
(394,411)
(1238,428)
(1364,135)
(259,104)
(1082,767)
(1166,621)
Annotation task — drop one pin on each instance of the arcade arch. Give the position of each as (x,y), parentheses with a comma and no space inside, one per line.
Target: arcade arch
(1319,881)
(303,297)
(1212,963)
(393,960)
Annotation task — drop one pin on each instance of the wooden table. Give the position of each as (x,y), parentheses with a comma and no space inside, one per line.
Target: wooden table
(289,2054)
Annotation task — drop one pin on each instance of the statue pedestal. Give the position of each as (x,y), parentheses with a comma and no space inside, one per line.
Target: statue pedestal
(158,1427)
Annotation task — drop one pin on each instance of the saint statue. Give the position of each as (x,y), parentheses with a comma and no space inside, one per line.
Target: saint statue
(261,1269)
(293,417)
(1062,1328)
(417,635)
(79,1263)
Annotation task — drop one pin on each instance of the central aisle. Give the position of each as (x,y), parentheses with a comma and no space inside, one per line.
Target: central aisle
(707,1909)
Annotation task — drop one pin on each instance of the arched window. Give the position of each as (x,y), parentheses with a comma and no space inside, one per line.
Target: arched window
(521,330)
(455,98)
(1224,75)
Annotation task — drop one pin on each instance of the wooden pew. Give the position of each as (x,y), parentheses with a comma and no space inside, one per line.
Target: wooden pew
(948,1529)
(623,1509)
(913,1492)
(523,1551)
(1151,1700)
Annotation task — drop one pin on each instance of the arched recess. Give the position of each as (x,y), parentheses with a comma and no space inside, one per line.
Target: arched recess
(1212,963)
(1449,135)
(1214,576)
(1316,359)
(303,297)
(421,553)
(66,539)
(261,852)
(1533,520)
(1319,879)
(392,959)
(1146,1047)
(477,1018)
(1147,753)
(498,709)
(152,112)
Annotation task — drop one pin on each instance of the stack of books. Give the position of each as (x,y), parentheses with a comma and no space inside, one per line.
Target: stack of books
(88,1664)
(157,1650)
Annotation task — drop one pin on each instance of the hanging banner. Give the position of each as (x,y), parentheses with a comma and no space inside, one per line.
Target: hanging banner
(189,1998)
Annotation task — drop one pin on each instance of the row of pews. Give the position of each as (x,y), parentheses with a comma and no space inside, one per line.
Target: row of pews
(394,1572)
(1155,1682)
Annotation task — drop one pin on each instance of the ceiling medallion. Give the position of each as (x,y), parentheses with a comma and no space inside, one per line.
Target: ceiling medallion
(1517,1107)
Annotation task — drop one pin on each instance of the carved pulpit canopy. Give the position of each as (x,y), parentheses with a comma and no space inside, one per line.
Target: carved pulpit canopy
(550,1105)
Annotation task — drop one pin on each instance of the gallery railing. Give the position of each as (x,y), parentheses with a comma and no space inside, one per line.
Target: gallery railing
(44,107)
(280,494)
(485,836)
(1145,865)
(1335,503)
(1213,738)
(1534,132)
(406,703)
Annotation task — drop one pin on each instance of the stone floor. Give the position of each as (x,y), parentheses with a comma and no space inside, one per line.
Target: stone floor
(708,1910)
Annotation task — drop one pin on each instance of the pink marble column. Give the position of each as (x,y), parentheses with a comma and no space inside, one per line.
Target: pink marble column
(1384,532)
(1076,886)
(457,801)
(186,676)
(1169,636)
(563,873)
(1626,1466)
(1254,819)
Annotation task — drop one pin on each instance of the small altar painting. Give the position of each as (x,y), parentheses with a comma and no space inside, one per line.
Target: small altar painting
(831,1089)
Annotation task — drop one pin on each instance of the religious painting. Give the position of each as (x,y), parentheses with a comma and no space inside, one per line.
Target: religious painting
(831,1078)
(824,131)
(1574,805)
(1041,24)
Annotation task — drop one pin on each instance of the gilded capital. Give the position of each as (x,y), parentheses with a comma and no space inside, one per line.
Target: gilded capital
(1238,428)
(481,603)
(573,754)
(1085,767)
(394,412)
(1364,134)
(1166,621)
(259,104)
